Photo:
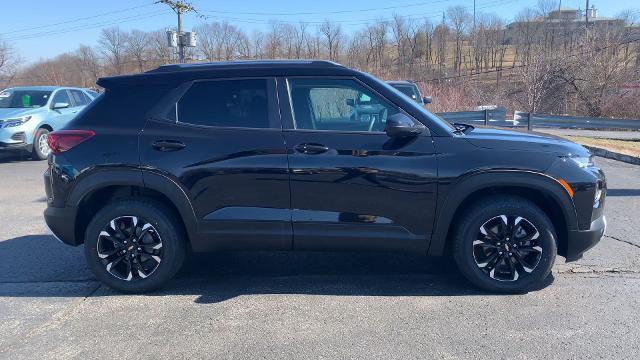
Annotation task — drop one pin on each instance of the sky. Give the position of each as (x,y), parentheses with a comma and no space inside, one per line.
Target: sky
(41,29)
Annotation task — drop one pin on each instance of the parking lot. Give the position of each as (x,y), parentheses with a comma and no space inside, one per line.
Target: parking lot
(312,305)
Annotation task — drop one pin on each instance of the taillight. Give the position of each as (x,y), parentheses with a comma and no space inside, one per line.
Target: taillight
(63,140)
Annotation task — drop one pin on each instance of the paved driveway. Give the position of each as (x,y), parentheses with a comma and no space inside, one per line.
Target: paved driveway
(312,305)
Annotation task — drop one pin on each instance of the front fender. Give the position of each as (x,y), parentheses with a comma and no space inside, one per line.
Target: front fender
(457,192)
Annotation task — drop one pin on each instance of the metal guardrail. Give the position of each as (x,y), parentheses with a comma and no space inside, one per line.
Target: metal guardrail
(497,117)
(575,122)
(491,117)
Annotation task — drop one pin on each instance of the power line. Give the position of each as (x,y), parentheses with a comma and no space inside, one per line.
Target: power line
(90,26)
(326,12)
(431,14)
(75,20)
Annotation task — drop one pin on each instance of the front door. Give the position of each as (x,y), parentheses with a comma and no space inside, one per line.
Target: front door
(352,186)
(224,146)
(61,116)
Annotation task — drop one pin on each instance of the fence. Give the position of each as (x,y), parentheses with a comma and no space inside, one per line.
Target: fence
(497,117)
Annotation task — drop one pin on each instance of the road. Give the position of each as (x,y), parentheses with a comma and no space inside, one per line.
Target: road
(312,305)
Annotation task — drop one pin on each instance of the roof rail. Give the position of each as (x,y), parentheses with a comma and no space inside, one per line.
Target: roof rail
(242,63)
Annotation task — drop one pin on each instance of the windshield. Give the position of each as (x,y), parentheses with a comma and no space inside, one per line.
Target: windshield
(23,99)
(407,90)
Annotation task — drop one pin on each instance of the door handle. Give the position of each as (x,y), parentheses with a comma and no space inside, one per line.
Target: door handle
(311,148)
(168,145)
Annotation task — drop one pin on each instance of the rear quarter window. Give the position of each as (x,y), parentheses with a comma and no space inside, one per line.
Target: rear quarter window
(225,103)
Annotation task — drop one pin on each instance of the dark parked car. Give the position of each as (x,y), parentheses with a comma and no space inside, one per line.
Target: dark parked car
(410,89)
(267,155)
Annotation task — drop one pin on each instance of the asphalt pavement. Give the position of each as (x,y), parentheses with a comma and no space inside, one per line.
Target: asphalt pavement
(312,305)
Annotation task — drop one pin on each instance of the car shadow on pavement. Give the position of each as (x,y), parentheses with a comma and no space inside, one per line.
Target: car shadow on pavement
(623,192)
(13,157)
(41,261)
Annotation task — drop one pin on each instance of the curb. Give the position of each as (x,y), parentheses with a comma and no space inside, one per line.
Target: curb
(613,155)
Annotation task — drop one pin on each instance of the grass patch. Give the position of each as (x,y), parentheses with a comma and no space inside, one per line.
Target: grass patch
(620,146)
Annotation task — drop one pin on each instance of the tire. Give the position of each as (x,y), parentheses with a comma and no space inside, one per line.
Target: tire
(151,258)
(485,260)
(39,153)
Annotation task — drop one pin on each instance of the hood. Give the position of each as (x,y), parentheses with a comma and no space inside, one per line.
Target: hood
(523,140)
(8,113)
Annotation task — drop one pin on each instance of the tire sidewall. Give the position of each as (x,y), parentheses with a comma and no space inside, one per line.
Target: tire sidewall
(469,228)
(36,144)
(172,244)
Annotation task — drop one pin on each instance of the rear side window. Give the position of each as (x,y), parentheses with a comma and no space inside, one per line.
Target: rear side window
(227,103)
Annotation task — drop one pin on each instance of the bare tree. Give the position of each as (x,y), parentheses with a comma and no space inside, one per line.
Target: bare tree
(459,19)
(113,46)
(9,61)
(332,33)
(137,47)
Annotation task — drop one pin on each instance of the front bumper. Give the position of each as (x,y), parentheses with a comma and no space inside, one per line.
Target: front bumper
(580,241)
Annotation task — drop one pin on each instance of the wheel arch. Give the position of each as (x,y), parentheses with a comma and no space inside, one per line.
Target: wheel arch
(44,126)
(539,188)
(106,185)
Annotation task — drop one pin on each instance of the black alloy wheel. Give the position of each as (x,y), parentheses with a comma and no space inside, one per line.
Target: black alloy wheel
(507,247)
(130,248)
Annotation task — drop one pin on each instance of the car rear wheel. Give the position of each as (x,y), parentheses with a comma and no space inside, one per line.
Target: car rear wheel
(134,245)
(505,244)
(40,146)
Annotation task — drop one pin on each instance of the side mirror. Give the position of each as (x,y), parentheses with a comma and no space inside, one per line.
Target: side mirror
(400,125)
(61,105)
(427,99)
(351,102)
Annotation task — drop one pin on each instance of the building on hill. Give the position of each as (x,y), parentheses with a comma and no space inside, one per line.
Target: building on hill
(561,23)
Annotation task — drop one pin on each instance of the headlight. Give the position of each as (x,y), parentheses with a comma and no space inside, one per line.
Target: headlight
(582,161)
(15,121)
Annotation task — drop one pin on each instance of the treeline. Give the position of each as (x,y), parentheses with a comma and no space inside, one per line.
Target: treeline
(534,64)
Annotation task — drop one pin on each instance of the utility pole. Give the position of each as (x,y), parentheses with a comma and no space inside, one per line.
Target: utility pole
(183,39)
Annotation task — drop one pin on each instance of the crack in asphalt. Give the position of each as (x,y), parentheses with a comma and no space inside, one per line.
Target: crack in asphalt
(56,320)
(622,240)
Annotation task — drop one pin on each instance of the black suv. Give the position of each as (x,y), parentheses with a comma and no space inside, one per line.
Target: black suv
(308,155)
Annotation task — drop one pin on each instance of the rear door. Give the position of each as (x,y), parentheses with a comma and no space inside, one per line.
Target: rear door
(352,186)
(223,144)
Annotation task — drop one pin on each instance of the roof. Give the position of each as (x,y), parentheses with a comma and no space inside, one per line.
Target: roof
(170,75)
(400,82)
(38,88)
(262,64)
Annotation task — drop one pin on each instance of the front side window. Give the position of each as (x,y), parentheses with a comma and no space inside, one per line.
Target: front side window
(61,97)
(337,104)
(227,103)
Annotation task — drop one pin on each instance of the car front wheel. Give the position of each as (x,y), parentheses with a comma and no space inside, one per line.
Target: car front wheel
(40,146)
(505,244)
(134,245)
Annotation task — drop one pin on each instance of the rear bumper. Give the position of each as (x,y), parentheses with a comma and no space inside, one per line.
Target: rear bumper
(578,242)
(61,222)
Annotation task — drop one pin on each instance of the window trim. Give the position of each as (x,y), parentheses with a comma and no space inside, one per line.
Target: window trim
(174,97)
(288,120)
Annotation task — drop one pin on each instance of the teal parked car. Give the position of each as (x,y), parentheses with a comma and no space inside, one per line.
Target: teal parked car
(29,114)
